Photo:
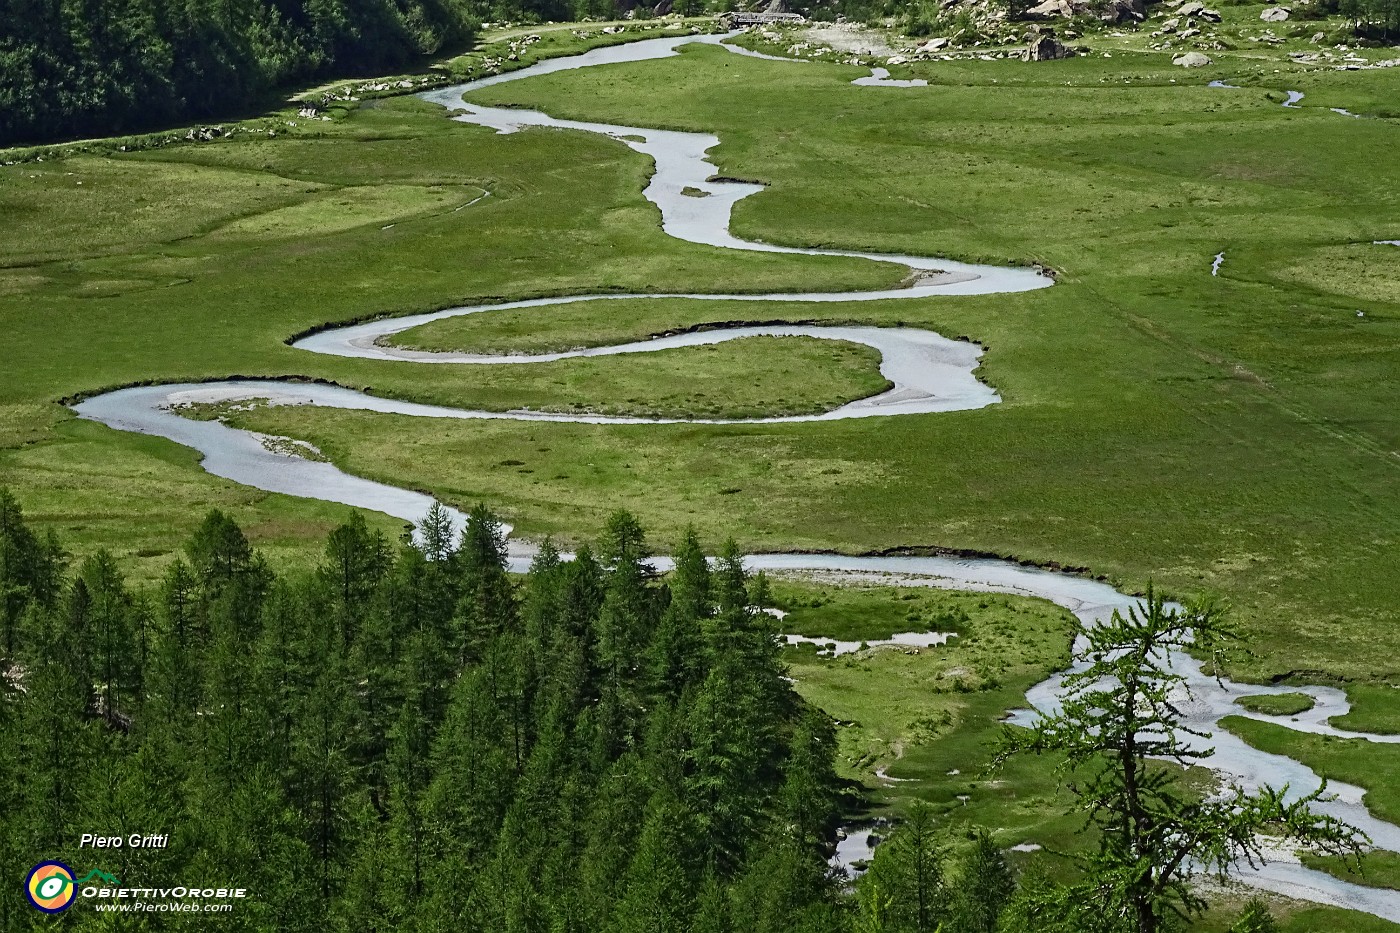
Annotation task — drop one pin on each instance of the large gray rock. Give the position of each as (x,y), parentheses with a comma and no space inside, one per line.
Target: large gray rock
(1123,11)
(1046,48)
(1050,9)
(1275,14)
(1191,60)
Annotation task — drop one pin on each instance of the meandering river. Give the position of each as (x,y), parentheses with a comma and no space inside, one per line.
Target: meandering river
(930,374)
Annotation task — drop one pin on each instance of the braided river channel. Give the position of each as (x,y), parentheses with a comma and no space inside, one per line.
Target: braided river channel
(930,374)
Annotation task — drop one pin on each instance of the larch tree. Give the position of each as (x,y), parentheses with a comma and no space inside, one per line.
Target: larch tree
(1119,721)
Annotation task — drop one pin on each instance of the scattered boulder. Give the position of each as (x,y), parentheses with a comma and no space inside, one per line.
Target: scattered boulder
(1188,33)
(1198,9)
(1275,14)
(1319,36)
(934,45)
(1171,24)
(663,8)
(1046,48)
(1192,60)
(1123,11)
(1050,9)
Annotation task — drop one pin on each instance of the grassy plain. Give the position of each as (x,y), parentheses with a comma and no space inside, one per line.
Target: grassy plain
(199,260)
(898,705)
(1377,869)
(584,324)
(1374,708)
(1370,766)
(1279,704)
(923,723)
(1233,433)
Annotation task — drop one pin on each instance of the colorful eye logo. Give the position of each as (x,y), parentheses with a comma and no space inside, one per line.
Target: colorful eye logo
(50,887)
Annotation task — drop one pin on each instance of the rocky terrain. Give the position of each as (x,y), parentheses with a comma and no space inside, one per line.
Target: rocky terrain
(1189,30)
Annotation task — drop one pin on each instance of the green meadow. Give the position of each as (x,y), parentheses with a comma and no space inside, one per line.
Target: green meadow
(1232,434)
(924,723)
(1281,704)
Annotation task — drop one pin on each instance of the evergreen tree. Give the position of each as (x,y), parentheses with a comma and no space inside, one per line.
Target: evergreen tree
(325,780)
(724,759)
(177,674)
(787,888)
(1119,716)
(84,67)
(624,625)
(111,619)
(486,606)
(396,745)
(656,893)
(56,737)
(712,910)
(809,793)
(355,563)
(29,572)
(437,534)
(677,658)
(473,778)
(906,877)
(985,885)
(1255,918)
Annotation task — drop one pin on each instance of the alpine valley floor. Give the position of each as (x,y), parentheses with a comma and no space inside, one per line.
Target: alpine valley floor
(1233,433)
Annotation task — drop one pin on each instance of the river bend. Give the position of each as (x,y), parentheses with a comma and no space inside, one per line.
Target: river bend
(930,374)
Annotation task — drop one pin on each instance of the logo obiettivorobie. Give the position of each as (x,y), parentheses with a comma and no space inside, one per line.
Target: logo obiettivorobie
(50,887)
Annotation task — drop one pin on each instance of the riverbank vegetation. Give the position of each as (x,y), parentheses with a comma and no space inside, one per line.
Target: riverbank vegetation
(1232,433)
(1277,704)
(409,738)
(1278,386)
(908,713)
(1372,766)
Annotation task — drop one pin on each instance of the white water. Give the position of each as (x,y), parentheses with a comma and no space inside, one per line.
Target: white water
(836,647)
(680,162)
(928,372)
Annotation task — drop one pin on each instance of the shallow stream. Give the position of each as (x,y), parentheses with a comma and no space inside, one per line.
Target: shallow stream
(930,373)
